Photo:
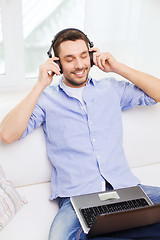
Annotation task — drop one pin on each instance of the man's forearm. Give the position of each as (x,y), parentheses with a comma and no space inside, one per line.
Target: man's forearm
(149,84)
(15,123)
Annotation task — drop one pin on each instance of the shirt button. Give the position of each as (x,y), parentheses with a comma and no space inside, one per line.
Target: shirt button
(94,139)
(90,122)
(81,107)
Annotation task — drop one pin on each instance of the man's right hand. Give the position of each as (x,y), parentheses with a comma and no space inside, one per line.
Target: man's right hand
(47,71)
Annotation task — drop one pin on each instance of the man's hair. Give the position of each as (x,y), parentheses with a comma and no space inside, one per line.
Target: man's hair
(70,34)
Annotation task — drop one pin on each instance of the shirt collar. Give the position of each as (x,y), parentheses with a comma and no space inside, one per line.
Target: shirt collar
(90,81)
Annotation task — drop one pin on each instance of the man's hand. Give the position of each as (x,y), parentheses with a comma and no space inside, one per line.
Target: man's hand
(106,62)
(47,71)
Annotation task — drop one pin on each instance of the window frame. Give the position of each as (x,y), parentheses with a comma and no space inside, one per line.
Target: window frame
(13,43)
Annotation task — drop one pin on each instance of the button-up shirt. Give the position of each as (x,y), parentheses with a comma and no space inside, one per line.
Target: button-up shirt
(85,145)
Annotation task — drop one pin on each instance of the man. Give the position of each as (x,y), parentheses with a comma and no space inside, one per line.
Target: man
(81,119)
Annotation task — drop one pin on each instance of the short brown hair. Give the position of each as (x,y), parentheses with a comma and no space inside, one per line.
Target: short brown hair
(69,34)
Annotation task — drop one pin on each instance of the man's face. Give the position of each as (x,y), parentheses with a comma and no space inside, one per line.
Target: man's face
(75,61)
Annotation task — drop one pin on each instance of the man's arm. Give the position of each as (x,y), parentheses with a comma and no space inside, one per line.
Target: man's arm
(149,84)
(16,121)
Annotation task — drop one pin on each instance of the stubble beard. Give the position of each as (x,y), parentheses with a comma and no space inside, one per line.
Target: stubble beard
(75,82)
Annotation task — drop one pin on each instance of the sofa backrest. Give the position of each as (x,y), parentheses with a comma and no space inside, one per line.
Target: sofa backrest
(26,162)
(141,133)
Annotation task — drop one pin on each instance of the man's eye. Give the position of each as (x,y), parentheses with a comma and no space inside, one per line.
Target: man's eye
(69,60)
(84,56)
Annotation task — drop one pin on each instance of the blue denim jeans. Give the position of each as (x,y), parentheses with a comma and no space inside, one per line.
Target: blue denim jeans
(66,226)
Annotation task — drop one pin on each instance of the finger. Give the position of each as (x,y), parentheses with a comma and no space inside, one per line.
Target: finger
(57,66)
(53,68)
(107,60)
(53,63)
(94,49)
(50,73)
(52,60)
(99,63)
(103,62)
(95,57)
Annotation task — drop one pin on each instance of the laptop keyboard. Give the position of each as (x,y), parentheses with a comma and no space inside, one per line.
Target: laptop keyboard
(90,214)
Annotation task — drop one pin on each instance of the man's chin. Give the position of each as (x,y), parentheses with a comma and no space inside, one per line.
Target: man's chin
(76,82)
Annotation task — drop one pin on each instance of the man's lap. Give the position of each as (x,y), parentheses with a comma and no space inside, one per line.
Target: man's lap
(66,225)
(152,192)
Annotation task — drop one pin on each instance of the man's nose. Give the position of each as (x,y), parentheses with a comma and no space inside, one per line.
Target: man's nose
(78,63)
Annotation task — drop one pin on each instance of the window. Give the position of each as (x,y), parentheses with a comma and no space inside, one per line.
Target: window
(39,27)
(126,28)
(27,34)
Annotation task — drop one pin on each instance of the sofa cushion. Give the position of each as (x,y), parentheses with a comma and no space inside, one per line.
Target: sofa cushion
(10,200)
(33,221)
(149,174)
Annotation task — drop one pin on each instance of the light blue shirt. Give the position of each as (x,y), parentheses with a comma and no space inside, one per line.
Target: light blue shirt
(85,145)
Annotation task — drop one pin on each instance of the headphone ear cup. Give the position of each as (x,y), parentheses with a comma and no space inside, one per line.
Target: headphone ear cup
(91,58)
(59,64)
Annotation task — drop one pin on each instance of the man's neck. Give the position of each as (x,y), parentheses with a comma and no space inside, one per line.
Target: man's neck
(72,84)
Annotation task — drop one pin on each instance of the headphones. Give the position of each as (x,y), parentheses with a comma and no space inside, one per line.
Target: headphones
(58,35)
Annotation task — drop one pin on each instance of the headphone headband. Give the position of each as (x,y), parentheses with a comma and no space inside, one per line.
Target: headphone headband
(63,31)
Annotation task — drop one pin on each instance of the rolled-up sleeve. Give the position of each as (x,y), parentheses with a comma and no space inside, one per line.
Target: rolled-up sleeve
(36,120)
(132,96)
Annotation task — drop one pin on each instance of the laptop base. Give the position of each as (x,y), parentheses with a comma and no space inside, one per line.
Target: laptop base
(113,222)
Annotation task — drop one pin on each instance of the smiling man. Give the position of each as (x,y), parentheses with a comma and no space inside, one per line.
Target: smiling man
(81,119)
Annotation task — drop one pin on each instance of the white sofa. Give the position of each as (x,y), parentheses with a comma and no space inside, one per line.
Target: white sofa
(26,164)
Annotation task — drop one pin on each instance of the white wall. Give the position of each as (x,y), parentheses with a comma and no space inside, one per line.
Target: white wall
(129,29)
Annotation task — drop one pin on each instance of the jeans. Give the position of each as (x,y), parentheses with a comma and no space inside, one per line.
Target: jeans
(66,226)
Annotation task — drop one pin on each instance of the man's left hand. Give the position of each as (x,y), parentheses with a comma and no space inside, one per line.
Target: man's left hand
(105,61)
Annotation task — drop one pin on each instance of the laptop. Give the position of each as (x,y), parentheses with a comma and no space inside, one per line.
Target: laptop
(116,210)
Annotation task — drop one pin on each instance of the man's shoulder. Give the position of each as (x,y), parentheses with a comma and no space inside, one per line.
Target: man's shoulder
(49,94)
(110,82)
(53,88)
(105,82)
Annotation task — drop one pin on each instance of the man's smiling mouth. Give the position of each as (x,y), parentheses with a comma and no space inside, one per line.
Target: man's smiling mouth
(80,73)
